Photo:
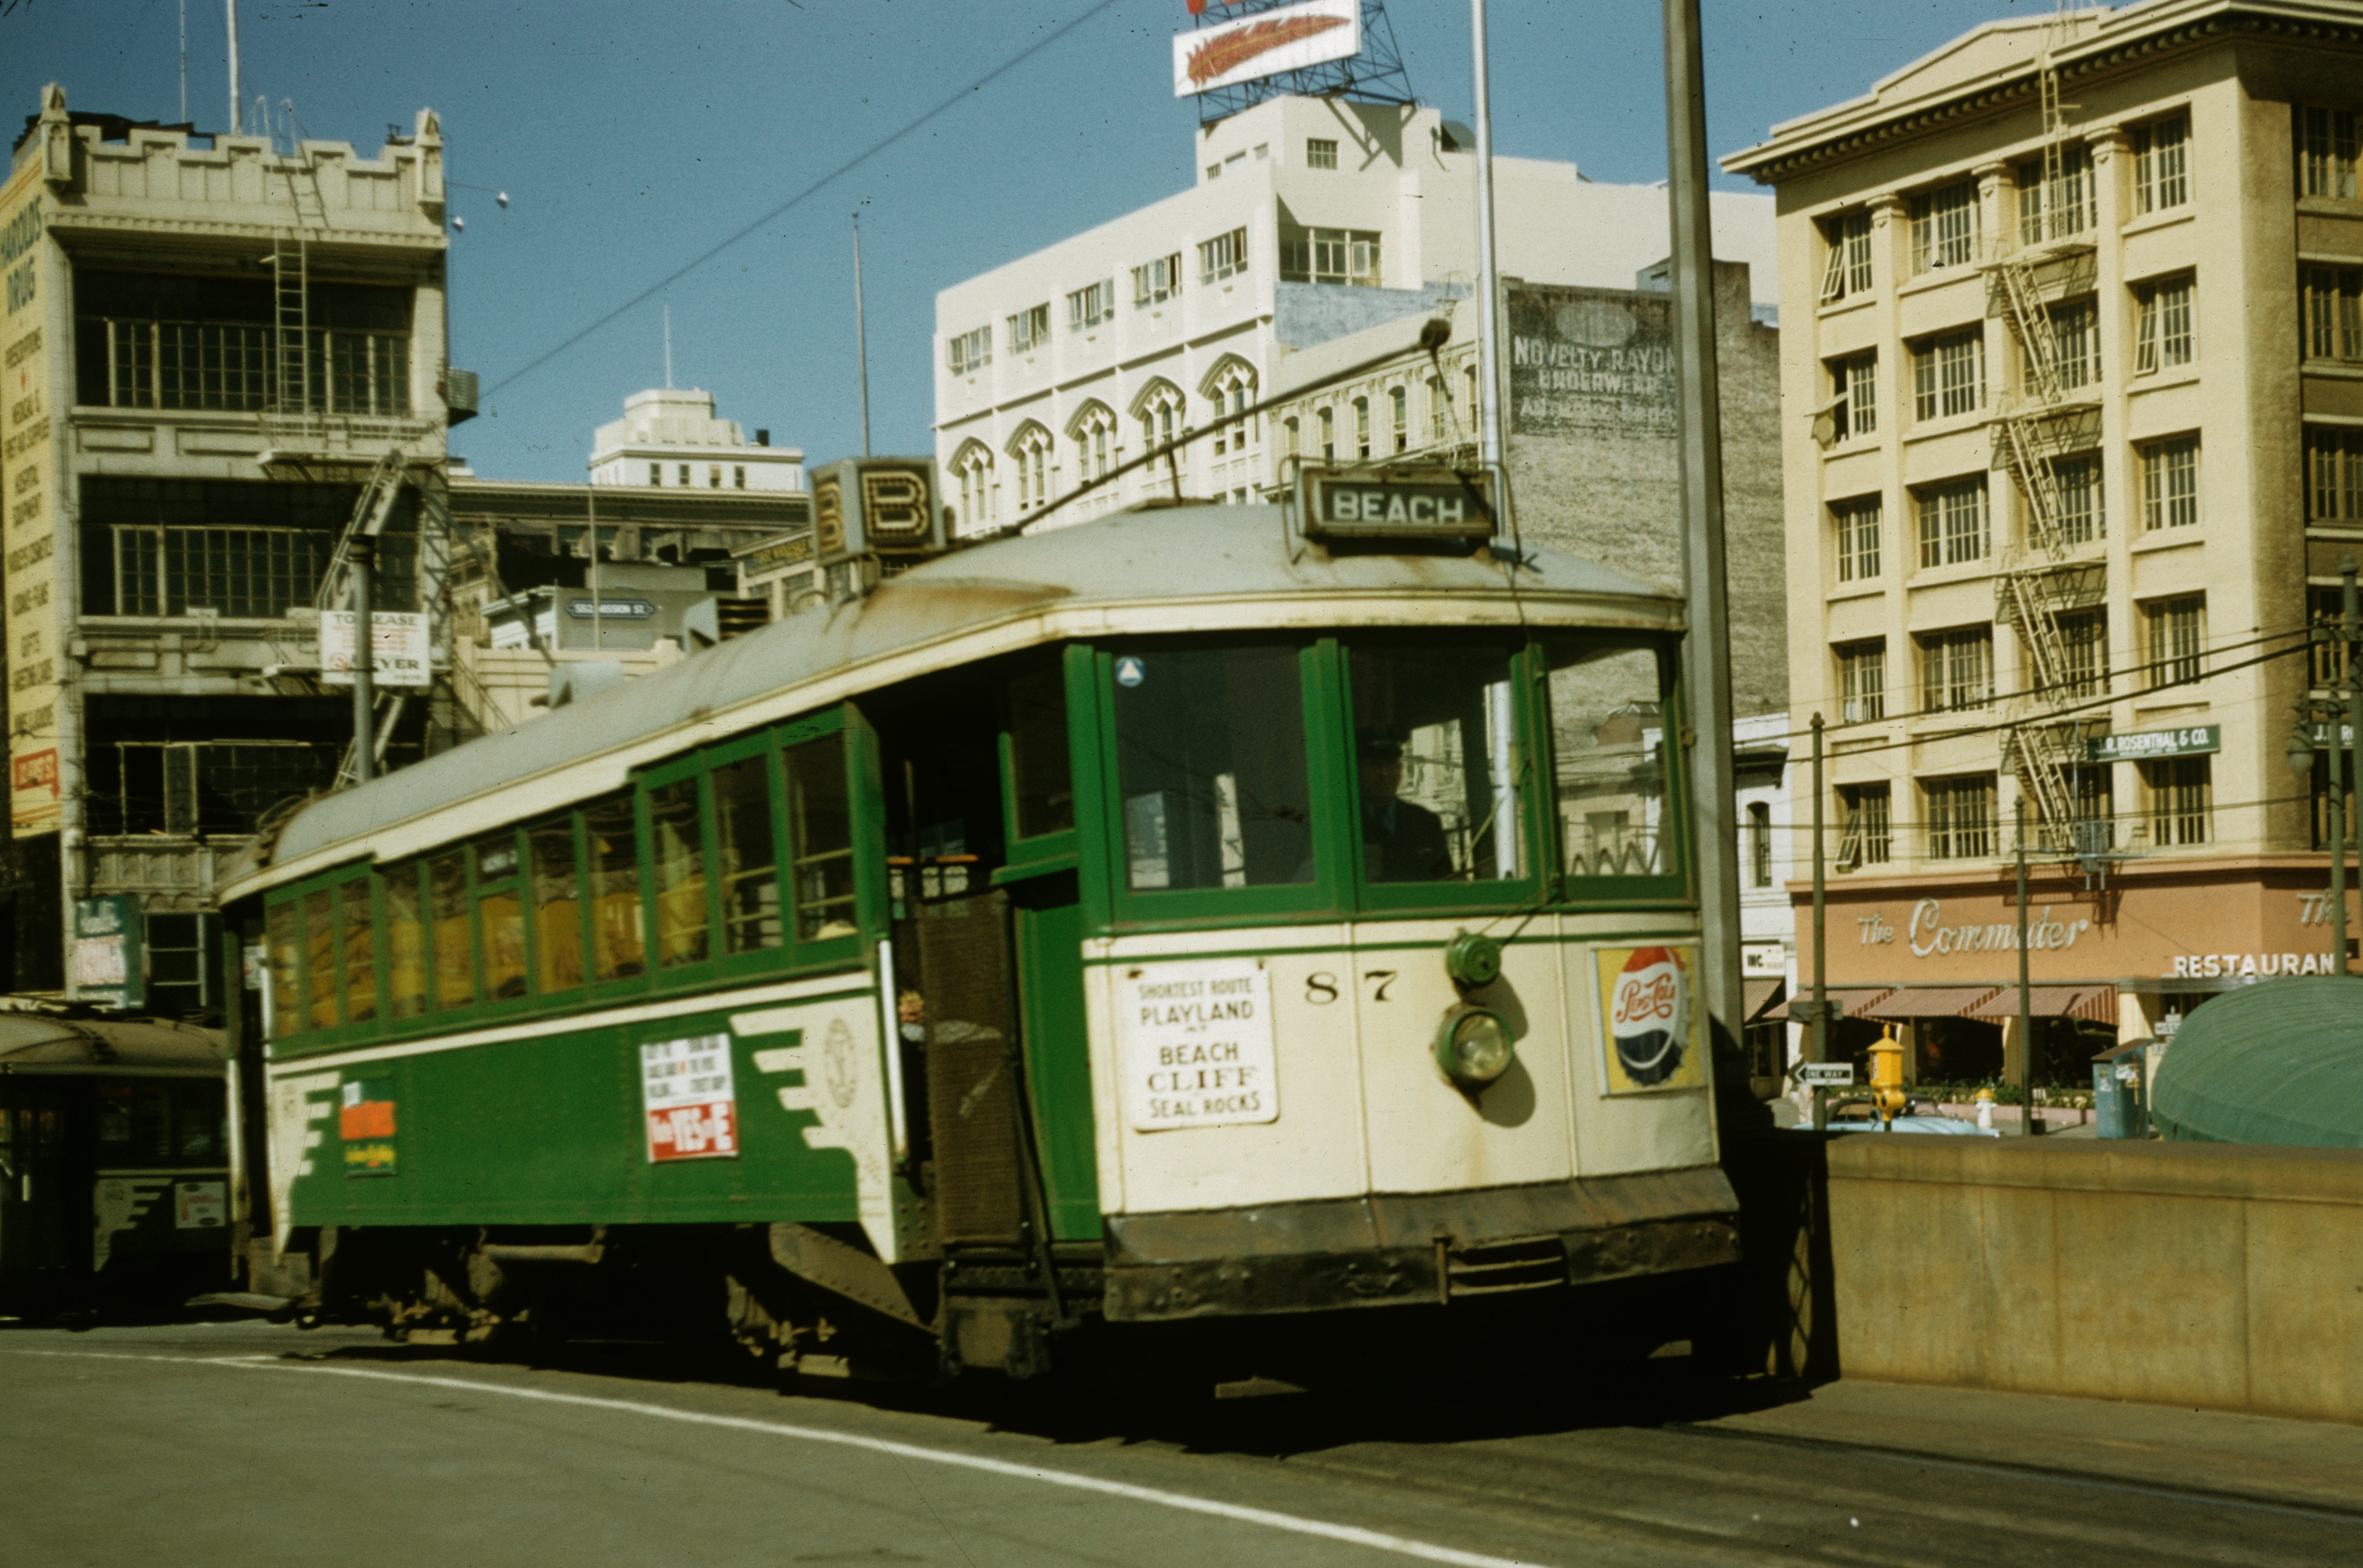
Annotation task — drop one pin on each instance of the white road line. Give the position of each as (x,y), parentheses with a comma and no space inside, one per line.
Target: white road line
(1377,1540)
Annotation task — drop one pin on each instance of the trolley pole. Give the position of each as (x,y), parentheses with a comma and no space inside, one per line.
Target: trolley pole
(1707,662)
(2350,628)
(1819,1050)
(2034,1126)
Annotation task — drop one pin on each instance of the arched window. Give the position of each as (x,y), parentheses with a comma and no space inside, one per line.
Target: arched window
(1293,435)
(1399,401)
(1159,409)
(1439,409)
(1232,390)
(1093,430)
(1031,452)
(1362,427)
(1329,435)
(972,472)
(1470,376)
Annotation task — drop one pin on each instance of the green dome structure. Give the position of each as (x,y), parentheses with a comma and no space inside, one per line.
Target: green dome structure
(2277,1063)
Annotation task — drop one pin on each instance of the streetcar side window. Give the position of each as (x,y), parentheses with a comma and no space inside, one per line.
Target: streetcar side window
(455,954)
(358,935)
(406,943)
(678,860)
(557,905)
(500,918)
(616,943)
(1041,769)
(1435,762)
(820,834)
(750,870)
(320,960)
(286,936)
(1210,768)
(1608,739)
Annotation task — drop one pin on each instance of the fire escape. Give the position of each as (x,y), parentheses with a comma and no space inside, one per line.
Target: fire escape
(2048,256)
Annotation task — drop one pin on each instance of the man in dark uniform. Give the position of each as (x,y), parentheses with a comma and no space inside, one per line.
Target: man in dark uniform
(1402,842)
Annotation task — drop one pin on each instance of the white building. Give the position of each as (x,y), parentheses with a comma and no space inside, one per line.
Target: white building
(670,437)
(1311,218)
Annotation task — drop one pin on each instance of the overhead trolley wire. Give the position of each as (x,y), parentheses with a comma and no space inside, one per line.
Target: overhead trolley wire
(872,150)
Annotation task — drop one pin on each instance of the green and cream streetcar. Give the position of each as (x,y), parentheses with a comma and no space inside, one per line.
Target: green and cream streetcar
(1169,917)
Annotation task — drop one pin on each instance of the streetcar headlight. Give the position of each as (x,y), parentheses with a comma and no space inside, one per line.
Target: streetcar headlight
(1473,1046)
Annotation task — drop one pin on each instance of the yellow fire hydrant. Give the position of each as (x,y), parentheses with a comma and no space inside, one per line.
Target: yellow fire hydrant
(1886,1076)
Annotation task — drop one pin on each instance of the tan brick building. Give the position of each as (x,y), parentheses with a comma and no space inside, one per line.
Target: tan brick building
(2072,439)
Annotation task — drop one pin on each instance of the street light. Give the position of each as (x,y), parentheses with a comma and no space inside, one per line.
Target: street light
(2299,753)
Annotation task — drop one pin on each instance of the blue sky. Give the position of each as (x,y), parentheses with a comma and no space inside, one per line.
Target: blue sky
(632,138)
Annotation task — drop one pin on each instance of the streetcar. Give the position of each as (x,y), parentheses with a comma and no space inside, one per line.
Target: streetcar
(1172,918)
(113,1165)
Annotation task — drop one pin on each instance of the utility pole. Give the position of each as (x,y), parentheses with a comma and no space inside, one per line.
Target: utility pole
(236,113)
(1488,282)
(2033,1125)
(2350,626)
(185,61)
(1819,1019)
(860,335)
(1707,661)
(361,560)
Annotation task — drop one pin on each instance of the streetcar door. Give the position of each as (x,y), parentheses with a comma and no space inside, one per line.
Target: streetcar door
(43,1211)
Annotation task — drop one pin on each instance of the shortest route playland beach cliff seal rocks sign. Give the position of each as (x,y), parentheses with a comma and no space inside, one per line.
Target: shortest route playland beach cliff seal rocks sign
(1649,1020)
(1194,1043)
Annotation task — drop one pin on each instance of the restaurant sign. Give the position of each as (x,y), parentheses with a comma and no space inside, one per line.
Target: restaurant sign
(2145,746)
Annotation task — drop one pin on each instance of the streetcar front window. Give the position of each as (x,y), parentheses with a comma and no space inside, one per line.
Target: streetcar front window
(1211,762)
(1041,776)
(1435,762)
(1608,735)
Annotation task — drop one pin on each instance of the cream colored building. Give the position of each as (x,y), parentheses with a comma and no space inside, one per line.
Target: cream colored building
(2073,437)
(1310,219)
(669,437)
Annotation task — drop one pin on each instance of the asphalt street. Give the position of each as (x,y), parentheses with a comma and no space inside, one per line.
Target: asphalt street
(196,1444)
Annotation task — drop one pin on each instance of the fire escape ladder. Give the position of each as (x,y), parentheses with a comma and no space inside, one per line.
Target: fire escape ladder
(371,510)
(299,361)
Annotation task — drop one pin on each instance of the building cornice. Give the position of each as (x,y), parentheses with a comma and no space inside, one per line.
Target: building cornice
(1878,126)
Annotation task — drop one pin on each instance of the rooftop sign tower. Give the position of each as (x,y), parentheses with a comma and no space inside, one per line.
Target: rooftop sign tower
(1240,52)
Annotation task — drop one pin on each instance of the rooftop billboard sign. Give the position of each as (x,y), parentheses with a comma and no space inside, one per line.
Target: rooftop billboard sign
(1292,38)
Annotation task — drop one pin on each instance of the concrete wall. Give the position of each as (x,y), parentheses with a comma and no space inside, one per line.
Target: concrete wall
(2207,1275)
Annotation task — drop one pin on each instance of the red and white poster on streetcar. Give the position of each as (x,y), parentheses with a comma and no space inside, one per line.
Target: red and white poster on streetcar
(685,1089)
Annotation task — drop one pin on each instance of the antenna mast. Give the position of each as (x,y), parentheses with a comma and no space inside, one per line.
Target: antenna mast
(860,335)
(668,321)
(237,114)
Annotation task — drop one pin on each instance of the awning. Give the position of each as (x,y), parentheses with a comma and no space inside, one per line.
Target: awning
(1759,995)
(1852,999)
(1931,1002)
(2098,1004)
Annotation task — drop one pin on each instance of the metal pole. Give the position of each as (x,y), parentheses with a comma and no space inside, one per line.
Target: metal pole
(1707,667)
(1488,282)
(185,61)
(1819,1050)
(237,114)
(363,558)
(2350,628)
(591,499)
(2034,1126)
(861,335)
(2337,841)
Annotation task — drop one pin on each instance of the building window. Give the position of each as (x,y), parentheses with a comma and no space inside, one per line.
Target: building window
(2325,151)
(1854,383)
(1846,272)
(1087,308)
(1329,256)
(1468,380)
(1866,819)
(2076,487)
(1320,152)
(2334,474)
(1956,670)
(681,474)
(656,473)
(1862,681)
(1859,528)
(1399,407)
(1440,410)
(738,476)
(2162,165)
(1030,329)
(2332,302)
(1949,375)
(1953,528)
(2096,808)
(1295,435)
(1233,428)
(1031,455)
(1362,427)
(1960,816)
(158,341)
(1329,435)
(2180,795)
(2170,481)
(1224,256)
(2175,631)
(2084,653)
(2325,613)
(2075,343)
(1160,419)
(1095,436)
(1154,282)
(714,476)
(2164,333)
(972,470)
(1760,845)
(2052,209)
(970,352)
(1945,227)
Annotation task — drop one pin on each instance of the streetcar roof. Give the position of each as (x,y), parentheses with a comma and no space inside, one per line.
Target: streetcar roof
(1208,568)
(47,1042)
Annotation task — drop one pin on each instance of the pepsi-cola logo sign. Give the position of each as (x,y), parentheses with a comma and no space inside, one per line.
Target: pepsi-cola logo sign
(1649,1015)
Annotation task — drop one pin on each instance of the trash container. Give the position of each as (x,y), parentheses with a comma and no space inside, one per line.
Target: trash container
(2119,1100)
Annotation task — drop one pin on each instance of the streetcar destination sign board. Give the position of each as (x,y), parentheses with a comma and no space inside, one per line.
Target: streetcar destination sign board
(1398,504)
